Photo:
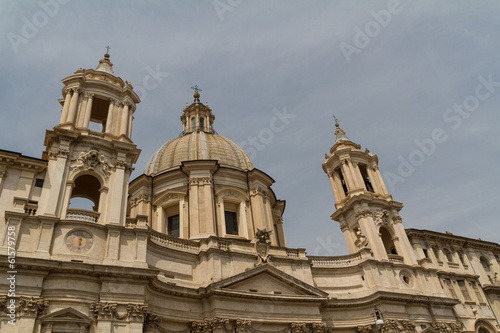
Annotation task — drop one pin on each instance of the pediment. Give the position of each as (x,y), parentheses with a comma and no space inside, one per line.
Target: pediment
(267,280)
(66,315)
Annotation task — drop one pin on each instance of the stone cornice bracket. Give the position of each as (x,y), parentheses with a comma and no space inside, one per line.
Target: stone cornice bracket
(363,213)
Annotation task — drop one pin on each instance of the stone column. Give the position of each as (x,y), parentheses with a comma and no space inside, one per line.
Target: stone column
(356,175)
(103,199)
(110,119)
(115,202)
(367,226)
(336,193)
(52,187)
(125,119)
(374,180)
(88,110)
(404,243)
(67,198)
(383,188)
(65,110)
(73,106)
(338,183)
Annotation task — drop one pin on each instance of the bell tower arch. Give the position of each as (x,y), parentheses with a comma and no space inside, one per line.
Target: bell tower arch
(368,216)
(90,151)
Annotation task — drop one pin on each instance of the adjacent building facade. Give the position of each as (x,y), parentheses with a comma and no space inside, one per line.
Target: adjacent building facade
(197,244)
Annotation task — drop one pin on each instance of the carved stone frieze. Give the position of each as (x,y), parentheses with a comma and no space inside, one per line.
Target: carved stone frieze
(29,307)
(408,325)
(447,327)
(364,328)
(242,326)
(390,325)
(200,181)
(318,327)
(108,311)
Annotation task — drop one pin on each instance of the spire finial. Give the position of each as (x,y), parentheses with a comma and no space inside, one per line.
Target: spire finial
(106,56)
(196,93)
(337,121)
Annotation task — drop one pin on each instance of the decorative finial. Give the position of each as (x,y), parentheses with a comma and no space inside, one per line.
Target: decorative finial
(196,93)
(107,52)
(337,121)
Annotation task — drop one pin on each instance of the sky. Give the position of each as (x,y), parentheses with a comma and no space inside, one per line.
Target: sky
(416,82)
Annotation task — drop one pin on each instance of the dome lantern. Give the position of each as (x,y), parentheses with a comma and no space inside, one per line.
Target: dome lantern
(197,117)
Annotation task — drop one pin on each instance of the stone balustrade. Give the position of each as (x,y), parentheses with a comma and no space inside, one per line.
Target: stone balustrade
(82,215)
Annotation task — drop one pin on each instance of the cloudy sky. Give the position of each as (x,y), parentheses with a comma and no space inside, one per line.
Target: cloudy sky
(417,82)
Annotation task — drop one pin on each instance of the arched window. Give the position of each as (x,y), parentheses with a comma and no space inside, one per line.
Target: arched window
(202,124)
(86,187)
(366,178)
(388,242)
(193,124)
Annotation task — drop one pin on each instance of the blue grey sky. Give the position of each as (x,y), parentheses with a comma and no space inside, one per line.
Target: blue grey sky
(416,82)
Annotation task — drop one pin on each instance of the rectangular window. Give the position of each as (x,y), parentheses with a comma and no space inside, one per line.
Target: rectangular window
(447,282)
(476,291)
(173,226)
(38,182)
(463,289)
(231,223)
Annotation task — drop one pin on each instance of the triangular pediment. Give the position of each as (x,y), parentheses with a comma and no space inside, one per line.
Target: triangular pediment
(267,280)
(66,315)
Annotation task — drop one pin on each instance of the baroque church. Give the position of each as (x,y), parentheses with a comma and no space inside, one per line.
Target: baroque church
(196,244)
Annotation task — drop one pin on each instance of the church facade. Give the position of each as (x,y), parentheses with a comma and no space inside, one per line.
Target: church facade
(196,244)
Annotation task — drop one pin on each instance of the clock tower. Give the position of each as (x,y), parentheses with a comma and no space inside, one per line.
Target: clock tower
(368,216)
(90,152)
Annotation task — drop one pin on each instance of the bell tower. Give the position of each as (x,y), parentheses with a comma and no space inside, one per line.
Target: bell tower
(90,151)
(368,216)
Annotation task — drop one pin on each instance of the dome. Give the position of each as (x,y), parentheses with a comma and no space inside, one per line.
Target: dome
(198,146)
